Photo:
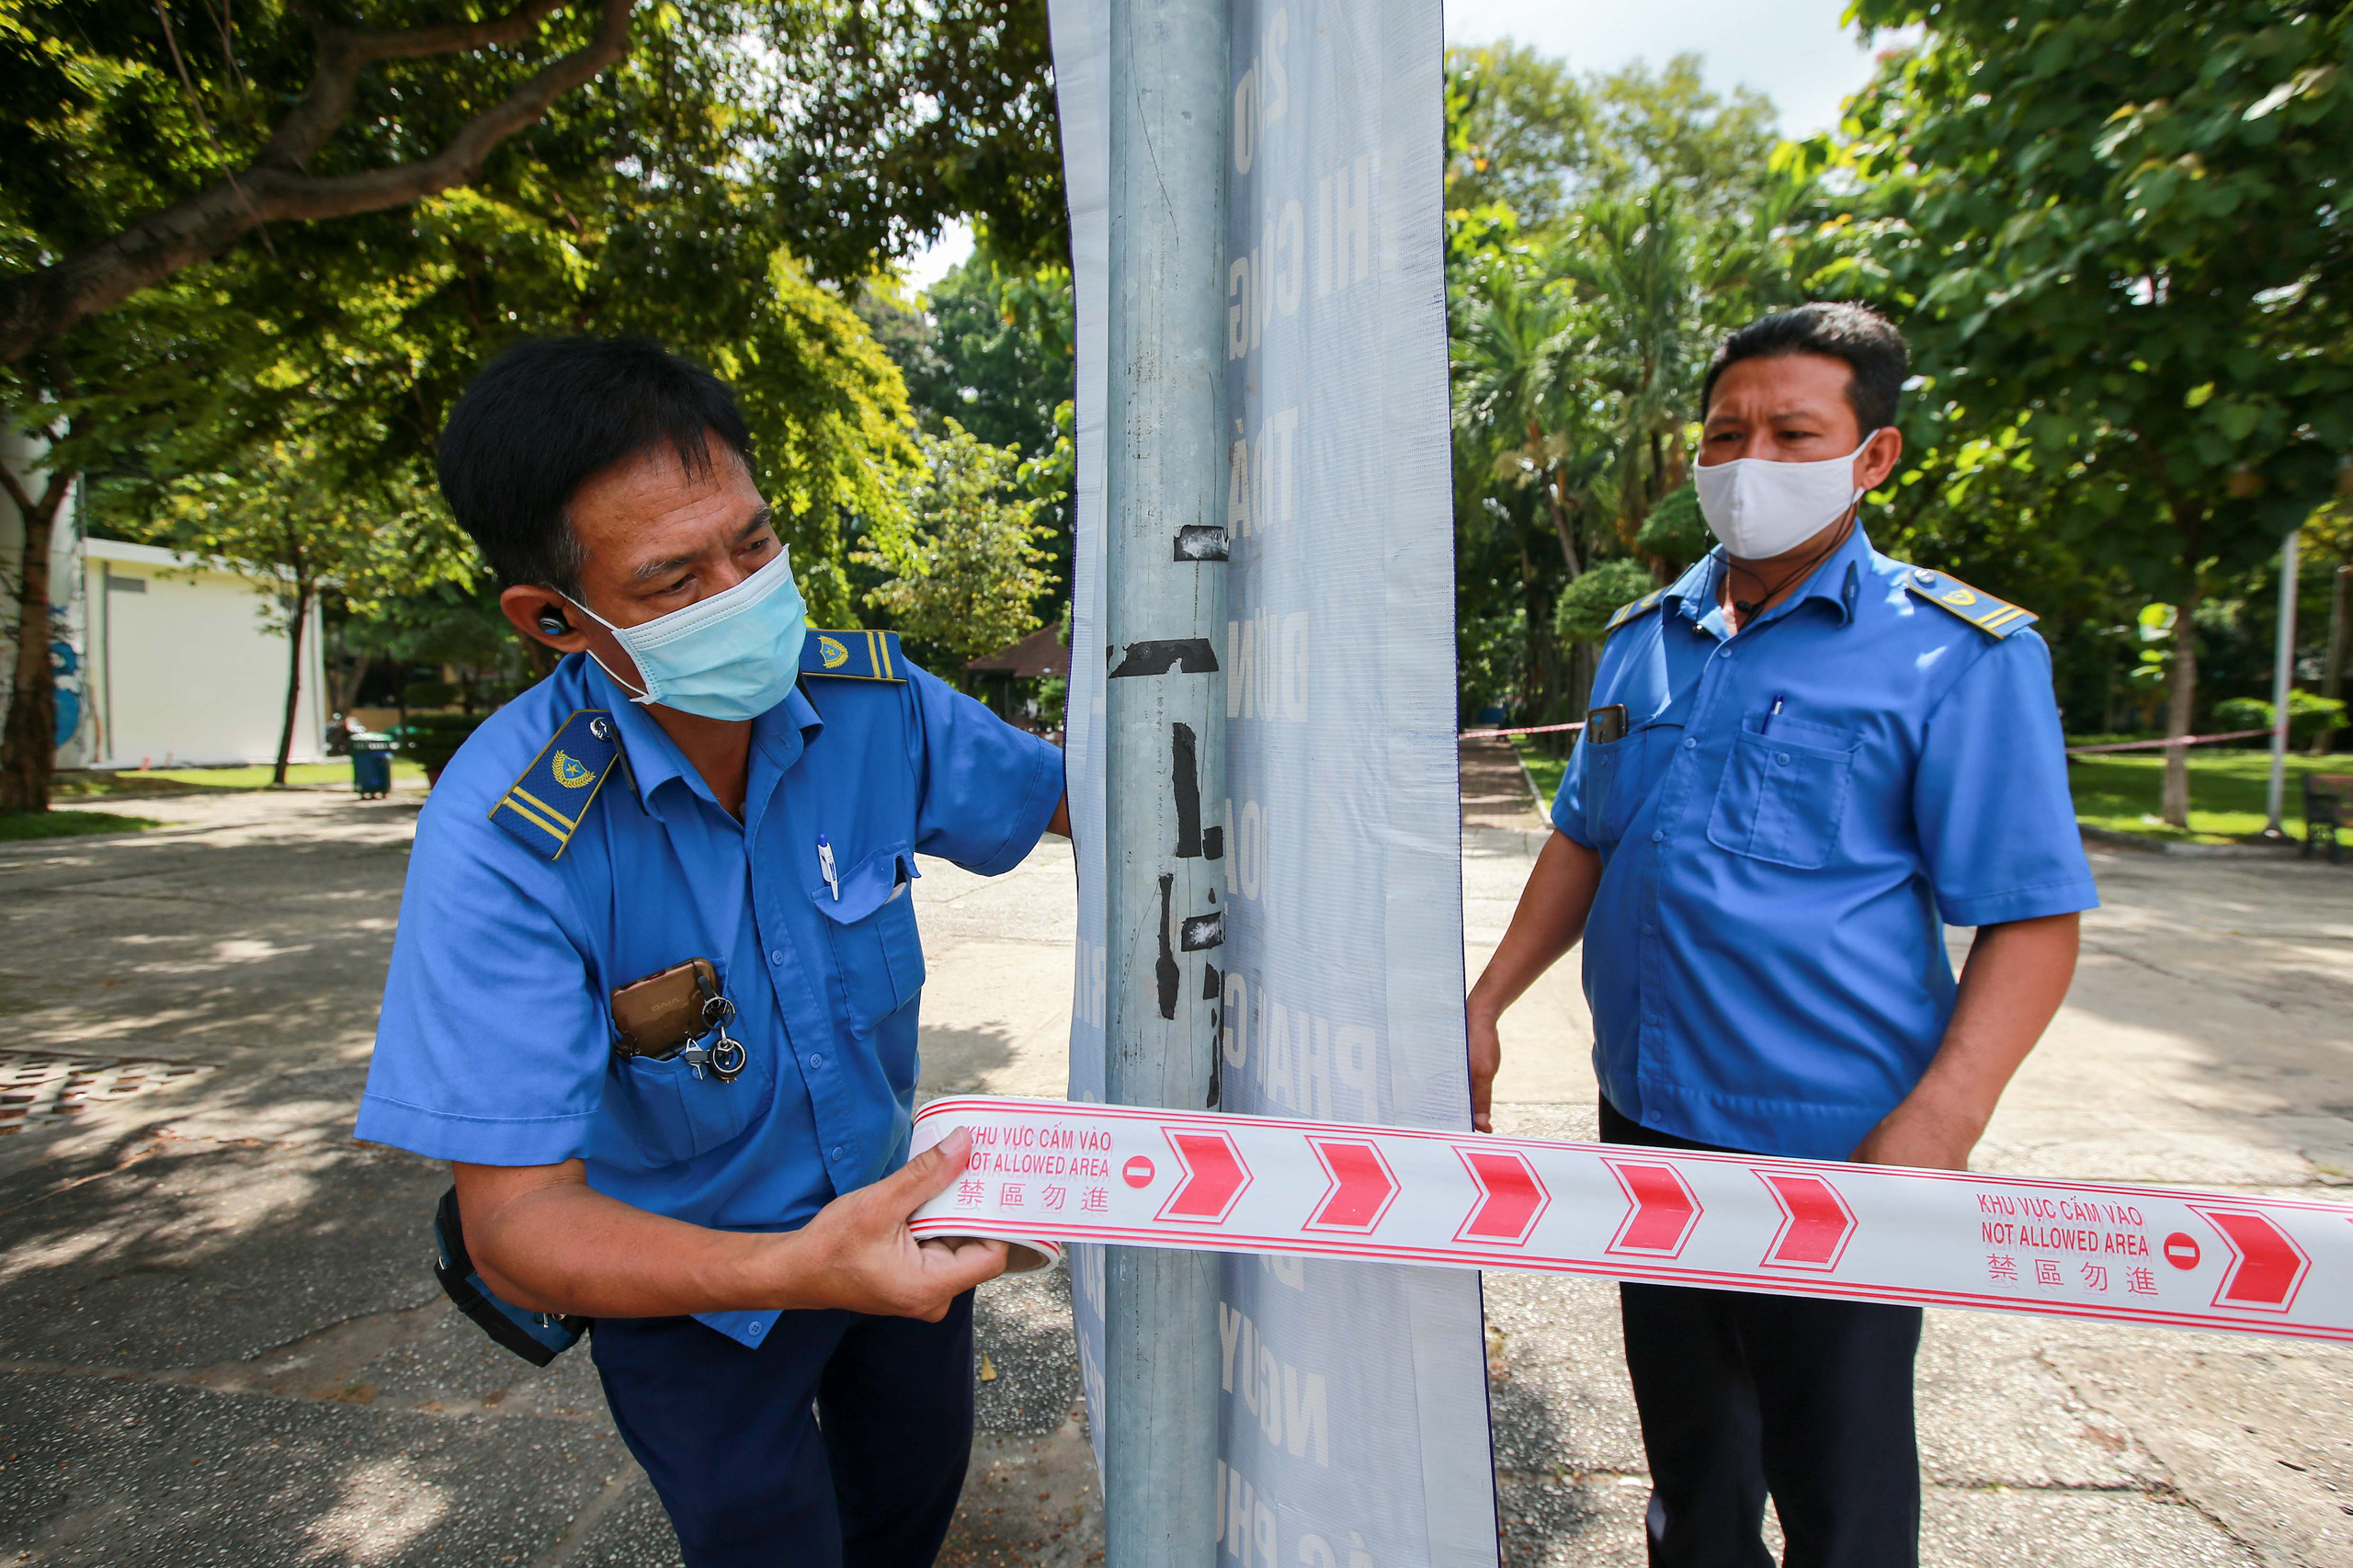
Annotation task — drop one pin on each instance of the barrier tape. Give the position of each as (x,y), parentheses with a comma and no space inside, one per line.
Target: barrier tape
(1531,730)
(2171,741)
(1045,1173)
(2072,751)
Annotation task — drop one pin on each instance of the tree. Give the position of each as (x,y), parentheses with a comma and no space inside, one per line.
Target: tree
(28,751)
(1579,340)
(300,525)
(965,573)
(701,185)
(2062,201)
(135,153)
(990,347)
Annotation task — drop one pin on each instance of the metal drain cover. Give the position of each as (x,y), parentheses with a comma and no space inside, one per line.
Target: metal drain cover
(40,1089)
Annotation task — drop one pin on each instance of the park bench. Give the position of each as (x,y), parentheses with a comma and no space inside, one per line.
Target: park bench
(2328,806)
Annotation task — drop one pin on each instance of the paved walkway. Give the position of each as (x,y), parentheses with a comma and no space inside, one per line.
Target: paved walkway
(219,1343)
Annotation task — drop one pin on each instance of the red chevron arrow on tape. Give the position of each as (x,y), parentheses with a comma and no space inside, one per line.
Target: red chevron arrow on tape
(1363,1186)
(1817,1224)
(2267,1267)
(1662,1211)
(1214,1176)
(1512,1196)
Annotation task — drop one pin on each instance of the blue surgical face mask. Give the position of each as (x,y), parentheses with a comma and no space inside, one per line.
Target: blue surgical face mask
(733,655)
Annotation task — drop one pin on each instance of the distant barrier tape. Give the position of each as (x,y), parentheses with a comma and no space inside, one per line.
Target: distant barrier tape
(1046,1173)
(2172,741)
(2072,751)
(1531,730)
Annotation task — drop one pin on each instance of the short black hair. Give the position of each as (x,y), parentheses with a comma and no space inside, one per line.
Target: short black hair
(548,413)
(1867,341)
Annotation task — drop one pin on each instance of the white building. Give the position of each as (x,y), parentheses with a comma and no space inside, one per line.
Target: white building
(163,658)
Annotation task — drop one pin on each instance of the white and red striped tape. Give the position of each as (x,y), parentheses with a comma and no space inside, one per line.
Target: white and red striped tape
(1045,1172)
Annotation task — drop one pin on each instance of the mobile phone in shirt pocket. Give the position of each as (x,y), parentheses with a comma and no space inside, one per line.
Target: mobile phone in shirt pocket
(872,924)
(1618,778)
(1784,792)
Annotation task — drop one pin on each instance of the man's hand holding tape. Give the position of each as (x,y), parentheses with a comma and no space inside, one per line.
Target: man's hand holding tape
(544,1239)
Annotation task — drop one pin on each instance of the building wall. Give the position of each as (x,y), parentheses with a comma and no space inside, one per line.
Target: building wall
(181,666)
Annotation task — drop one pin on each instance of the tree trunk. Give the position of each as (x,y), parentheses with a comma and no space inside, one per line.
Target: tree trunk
(295,621)
(29,747)
(2181,699)
(349,681)
(1565,529)
(2332,671)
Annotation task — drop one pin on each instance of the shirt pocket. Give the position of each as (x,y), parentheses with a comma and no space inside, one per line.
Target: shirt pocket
(871,924)
(1784,792)
(1617,777)
(670,1115)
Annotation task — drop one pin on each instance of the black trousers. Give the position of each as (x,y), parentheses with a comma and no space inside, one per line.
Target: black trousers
(841,1442)
(1743,1394)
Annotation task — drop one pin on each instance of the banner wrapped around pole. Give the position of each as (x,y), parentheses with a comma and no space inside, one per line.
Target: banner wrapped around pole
(1048,1173)
(1333,956)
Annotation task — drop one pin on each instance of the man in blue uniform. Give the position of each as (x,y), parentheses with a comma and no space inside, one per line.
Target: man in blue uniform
(1826,756)
(700,779)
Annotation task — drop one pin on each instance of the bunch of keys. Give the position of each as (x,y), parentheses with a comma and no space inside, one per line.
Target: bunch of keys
(715,1047)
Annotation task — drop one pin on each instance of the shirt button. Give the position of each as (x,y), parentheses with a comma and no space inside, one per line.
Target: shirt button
(1690,743)
(754,1330)
(1782,758)
(816,1062)
(776,956)
(836,1151)
(1659,835)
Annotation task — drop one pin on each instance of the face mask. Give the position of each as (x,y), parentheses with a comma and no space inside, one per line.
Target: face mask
(733,655)
(1761,509)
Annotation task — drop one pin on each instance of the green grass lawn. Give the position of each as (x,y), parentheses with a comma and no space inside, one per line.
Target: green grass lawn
(134,781)
(1545,770)
(2118,791)
(17,825)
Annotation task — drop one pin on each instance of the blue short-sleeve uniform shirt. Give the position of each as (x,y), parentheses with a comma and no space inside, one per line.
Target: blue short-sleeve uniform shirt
(1793,815)
(495,1045)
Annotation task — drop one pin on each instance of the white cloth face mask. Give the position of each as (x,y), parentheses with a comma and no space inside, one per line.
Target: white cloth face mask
(1761,508)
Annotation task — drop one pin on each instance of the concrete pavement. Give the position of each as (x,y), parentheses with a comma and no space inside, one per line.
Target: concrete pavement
(219,1344)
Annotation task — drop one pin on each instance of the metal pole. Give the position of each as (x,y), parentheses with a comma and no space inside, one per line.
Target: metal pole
(1164,699)
(2283,681)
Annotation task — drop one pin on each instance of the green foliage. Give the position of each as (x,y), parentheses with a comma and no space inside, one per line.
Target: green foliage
(1583,612)
(1603,235)
(991,349)
(2308,714)
(2113,221)
(964,574)
(1675,531)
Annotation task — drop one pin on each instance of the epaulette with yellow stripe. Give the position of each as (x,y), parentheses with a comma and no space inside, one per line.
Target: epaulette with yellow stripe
(546,806)
(852,655)
(1627,612)
(1994,618)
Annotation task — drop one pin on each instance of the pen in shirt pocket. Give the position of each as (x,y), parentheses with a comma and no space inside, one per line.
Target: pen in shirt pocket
(1772,713)
(825,867)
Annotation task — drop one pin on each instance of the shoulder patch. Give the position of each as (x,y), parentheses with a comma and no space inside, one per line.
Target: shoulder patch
(1642,606)
(546,806)
(852,655)
(1994,618)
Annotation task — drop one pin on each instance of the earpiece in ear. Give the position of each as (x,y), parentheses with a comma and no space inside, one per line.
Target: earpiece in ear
(554,624)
